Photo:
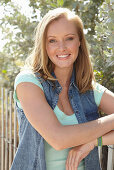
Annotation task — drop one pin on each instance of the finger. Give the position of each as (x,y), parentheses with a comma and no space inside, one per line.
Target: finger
(71,165)
(69,160)
(73,161)
(77,160)
(76,163)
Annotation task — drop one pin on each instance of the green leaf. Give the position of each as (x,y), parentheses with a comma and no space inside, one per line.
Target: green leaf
(60,3)
(4,71)
(107,1)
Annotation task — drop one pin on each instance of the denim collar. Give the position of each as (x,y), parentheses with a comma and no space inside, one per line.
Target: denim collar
(56,83)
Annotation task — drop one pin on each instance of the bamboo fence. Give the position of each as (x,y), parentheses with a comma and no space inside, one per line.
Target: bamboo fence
(9,131)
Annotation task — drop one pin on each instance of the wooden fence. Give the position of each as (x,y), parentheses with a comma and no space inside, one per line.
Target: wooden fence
(8,129)
(9,137)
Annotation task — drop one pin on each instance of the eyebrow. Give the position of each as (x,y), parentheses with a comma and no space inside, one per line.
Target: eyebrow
(55,36)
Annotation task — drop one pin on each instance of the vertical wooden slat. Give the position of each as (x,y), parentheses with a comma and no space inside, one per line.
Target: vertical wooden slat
(2,128)
(10,129)
(15,128)
(6,126)
(110,158)
(100,152)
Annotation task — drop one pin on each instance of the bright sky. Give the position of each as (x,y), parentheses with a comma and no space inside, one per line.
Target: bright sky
(24,4)
(25,9)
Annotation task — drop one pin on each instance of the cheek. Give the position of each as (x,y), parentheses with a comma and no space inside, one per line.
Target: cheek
(50,53)
(75,48)
(49,50)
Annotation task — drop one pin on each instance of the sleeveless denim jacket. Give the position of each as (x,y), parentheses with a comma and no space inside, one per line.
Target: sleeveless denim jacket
(30,154)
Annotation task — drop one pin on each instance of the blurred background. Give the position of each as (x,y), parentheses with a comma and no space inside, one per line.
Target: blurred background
(18,19)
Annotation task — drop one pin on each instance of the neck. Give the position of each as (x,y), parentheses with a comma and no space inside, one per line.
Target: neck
(63,75)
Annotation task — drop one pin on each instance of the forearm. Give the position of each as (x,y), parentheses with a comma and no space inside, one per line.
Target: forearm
(107,139)
(83,133)
(76,154)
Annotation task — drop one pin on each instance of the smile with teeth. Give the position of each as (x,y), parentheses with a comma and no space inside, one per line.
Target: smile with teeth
(63,56)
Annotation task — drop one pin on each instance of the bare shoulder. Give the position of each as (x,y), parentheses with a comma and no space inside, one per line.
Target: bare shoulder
(107,102)
(38,111)
(32,99)
(28,91)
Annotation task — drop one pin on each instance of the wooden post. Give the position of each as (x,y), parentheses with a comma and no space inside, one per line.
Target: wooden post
(6,135)
(110,162)
(100,153)
(10,129)
(2,128)
(15,129)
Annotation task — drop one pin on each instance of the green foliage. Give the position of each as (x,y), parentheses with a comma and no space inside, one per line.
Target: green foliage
(60,3)
(103,51)
(18,30)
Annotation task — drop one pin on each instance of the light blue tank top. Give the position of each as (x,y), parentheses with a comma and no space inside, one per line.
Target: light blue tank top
(55,160)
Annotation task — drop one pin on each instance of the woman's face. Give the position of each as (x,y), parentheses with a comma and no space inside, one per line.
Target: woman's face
(62,43)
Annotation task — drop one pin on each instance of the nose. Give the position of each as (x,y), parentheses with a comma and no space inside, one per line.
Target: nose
(61,45)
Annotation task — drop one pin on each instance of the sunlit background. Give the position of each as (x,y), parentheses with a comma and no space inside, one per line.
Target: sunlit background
(18,19)
(24,8)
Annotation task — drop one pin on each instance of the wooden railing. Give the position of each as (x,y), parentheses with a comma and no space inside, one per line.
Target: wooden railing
(9,131)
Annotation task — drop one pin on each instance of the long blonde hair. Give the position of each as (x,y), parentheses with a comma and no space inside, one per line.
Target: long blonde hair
(39,61)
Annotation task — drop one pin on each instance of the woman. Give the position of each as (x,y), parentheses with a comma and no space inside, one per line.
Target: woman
(58,100)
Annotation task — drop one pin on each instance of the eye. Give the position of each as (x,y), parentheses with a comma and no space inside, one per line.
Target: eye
(52,41)
(70,38)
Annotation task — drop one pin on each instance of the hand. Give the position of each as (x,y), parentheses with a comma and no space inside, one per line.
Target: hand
(78,153)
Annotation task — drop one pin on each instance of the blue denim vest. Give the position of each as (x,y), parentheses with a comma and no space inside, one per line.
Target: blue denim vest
(30,154)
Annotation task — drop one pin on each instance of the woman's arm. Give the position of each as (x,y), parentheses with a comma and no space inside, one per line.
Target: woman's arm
(108,139)
(78,153)
(43,119)
(107,102)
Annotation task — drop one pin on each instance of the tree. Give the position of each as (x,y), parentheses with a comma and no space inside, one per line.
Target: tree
(18,30)
(103,51)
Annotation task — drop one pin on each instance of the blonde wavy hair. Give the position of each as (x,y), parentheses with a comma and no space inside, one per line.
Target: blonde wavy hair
(39,61)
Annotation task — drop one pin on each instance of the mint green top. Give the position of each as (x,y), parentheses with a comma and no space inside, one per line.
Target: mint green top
(55,160)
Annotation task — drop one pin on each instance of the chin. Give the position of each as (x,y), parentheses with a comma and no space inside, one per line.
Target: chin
(65,66)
